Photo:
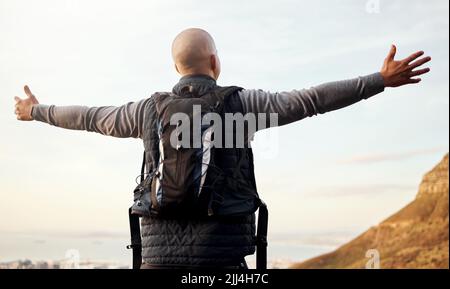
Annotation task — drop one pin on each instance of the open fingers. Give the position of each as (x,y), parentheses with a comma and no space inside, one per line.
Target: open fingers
(27,91)
(419,62)
(418,72)
(17,99)
(413,80)
(392,52)
(413,57)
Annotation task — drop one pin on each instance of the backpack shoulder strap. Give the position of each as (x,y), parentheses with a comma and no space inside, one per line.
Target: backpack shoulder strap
(162,99)
(261,237)
(136,243)
(225,91)
(218,96)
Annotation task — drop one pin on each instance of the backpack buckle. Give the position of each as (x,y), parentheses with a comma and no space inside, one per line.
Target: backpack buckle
(134,246)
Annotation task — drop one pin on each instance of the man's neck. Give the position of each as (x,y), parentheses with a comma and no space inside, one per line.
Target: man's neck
(197,76)
(198,73)
(194,84)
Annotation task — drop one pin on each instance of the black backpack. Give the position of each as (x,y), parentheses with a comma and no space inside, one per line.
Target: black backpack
(185,181)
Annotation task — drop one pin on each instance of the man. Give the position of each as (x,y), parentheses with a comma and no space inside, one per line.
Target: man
(215,242)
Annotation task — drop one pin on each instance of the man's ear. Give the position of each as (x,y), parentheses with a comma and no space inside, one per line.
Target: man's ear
(176,68)
(215,66)
(213,62)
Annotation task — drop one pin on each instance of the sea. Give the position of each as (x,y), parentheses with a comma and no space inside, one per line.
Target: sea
(283,250)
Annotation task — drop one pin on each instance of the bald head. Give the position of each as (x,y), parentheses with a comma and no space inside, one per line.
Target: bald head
(194,52)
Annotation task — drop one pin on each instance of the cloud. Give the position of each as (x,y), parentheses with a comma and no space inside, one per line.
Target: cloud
(369,189)
(384,157)
(41,236)
(328,240)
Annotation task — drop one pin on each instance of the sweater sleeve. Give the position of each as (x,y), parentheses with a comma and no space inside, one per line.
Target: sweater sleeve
(122,121)
(298,104)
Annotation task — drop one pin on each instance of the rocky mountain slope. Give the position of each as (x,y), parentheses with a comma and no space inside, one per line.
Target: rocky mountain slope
(414,237)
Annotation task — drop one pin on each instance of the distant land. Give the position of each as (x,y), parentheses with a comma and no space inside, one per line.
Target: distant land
(414,237)
(62,264)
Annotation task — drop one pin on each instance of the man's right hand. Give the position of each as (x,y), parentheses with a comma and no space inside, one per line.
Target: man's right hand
(24,106)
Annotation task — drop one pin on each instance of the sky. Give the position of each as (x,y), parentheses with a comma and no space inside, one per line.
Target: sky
(342,171)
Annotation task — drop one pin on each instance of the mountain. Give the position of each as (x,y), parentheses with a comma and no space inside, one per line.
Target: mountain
(414,237)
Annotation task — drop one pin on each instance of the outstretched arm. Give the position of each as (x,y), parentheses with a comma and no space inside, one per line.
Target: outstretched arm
(123,121)
(298,104)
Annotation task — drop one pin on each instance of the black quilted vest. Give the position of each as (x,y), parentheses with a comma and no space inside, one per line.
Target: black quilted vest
(209,241)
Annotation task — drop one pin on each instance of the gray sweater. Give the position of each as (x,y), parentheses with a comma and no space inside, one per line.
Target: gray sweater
(128,120)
